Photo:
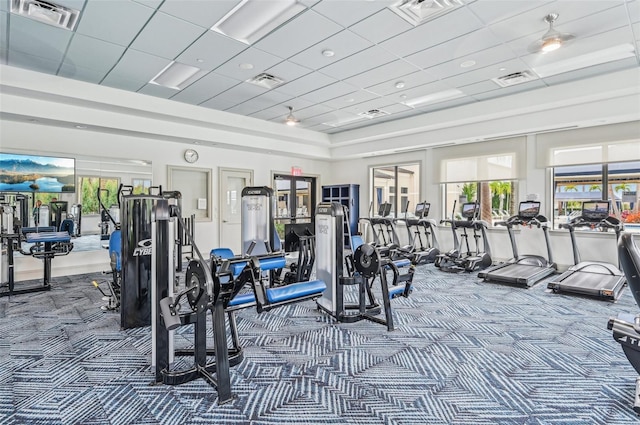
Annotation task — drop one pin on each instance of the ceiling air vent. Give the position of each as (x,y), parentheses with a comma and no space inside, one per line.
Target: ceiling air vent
(514,78)
(418,12)
(46,12)
(265,80)
(373,113)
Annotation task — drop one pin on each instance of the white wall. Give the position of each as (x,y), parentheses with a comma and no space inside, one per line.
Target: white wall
(70,141)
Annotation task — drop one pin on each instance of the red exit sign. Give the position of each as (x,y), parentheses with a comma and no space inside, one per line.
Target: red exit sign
(296,171)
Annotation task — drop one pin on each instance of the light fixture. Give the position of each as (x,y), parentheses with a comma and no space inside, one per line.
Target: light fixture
(400,85)
(467,64)
(328,53)
(177,76)
(434,97)
(291,120)
(251,20)
(552,39)
(597,57)
(246,66)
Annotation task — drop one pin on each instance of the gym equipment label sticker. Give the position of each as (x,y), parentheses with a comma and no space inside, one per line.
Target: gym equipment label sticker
(143,248)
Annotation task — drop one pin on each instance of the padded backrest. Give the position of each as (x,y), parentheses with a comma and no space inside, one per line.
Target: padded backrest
(115,249)
(224,253)
(356,241)
(629,256)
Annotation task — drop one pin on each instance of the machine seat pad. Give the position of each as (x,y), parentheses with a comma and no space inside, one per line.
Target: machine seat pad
(48,237)
(224,253)
(402,263)
(39,229)
(295,290)
(240,299)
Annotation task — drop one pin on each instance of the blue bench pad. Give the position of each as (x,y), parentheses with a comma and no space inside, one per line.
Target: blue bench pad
(39,229)
(295,290)
(402,263)
(48,237)
(265,264)
(240,299)
(396,291)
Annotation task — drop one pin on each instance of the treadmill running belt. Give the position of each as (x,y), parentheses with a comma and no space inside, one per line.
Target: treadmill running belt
(519,273)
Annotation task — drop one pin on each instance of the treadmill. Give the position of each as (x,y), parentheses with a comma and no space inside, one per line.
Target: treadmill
(593,278)
(524,270)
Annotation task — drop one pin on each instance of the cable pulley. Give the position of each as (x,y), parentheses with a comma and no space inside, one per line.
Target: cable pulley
(367,260)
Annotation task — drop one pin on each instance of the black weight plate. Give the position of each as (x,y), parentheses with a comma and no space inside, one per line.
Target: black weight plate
(367,260)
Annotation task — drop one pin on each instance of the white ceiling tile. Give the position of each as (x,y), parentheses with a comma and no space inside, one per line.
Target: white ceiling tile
(4,56)
(411,80)
(261,102)
(34,63)
(395,108)
(210,51)
(447,27)
(376,103)
(277,110)
(300,33)
(363,61)
(479,87)
(633,10)
(150,3)
(92,53)
(347,13)
(458,47)
(260,60)
(201,13)
(218,104)
(332,117)
(240,93)
(306,84)
(4,23)
(483,59)
(310,111)
(329,92)
(486,73)
(536,84)
(205,88)
(288,71)
(157,91)
(492,11)
(166,36)
(80,73)
(343,44)
(434,87)
(116,21)
(4,7)
(381,26)
(135,69)
(386,72)
(28,36)
(350,99)
(597,23)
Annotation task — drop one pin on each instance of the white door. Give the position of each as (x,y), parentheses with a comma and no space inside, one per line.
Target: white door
(232,181)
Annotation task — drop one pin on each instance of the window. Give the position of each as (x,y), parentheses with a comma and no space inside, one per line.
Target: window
(386,179)
(617,182)
(89,193)
(498,199)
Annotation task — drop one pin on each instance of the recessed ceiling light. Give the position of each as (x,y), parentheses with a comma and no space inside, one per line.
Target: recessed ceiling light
(176,76)
(502,69)
(328,53)
(200,60)
(251,20)
(400,85)
(246,66)
(467,64)
(434,97)
(403,96)
(349,100)
(196,143)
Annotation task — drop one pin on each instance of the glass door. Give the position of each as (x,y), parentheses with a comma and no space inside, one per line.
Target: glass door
(295,200)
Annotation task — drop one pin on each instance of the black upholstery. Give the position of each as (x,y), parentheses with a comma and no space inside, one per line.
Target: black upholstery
(629,255)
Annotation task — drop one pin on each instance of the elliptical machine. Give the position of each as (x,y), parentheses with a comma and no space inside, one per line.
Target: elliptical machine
(456,260)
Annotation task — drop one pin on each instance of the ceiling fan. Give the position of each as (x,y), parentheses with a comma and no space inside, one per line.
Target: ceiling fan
(552,39)
(291,120)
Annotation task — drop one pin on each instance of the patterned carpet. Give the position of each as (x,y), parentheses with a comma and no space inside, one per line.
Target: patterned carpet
(463,352)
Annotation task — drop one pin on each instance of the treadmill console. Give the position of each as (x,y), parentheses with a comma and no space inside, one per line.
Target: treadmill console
(469,210)
(595,211)
(384,209)
(528,209)
(422,209)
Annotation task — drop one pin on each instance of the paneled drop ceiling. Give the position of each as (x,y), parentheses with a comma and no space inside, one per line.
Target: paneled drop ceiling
(378,61)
